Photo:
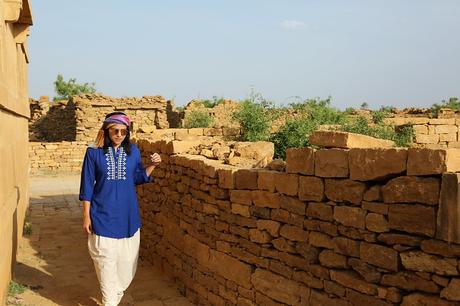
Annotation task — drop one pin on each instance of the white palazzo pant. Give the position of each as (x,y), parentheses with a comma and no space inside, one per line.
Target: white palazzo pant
(115,261)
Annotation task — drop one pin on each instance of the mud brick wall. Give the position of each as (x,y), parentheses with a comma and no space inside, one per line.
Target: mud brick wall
(339,227)
(56,157)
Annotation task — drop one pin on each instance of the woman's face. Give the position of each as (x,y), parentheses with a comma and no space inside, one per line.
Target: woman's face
(117,134)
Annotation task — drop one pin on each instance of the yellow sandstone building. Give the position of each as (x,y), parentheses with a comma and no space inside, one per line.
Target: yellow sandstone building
(15,21)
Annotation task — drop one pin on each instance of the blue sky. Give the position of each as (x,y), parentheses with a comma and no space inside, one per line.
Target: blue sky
(388,52)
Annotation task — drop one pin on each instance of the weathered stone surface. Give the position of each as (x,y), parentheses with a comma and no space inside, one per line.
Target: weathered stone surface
(346,246)
(376,164)
(283,245)
(331,163)
(265,199)
(307,279)
(242,210)
(226,178)
(360,299)
(331,259)
(419,299)
(293,204)
(452,292)
(409,281)
(276,287)
(346,140)
(379,256)
(246,179)
(300,160)
(270,226)
(411,189)
(344,191)
(320,211)
(266,180)
(293,233)
(448,219)
(259,236)
(318,298)
(376,207)
(351,279)
(415,219)
(311,188)
(432,161)
(318,239)
(373,194)
(377,223)
(440,248)
(402,239)
(368,272)
(230,268)
(241,196)
(350,216)
(255,150)
(307,251)
(419,261)
(286,183)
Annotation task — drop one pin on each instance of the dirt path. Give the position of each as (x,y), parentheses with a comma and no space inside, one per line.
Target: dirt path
(53,260)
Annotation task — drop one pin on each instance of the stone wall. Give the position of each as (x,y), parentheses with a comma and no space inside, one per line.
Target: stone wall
(15,19)
(56,157)
(432,132)
(221,113)
(338,227)
(80,118)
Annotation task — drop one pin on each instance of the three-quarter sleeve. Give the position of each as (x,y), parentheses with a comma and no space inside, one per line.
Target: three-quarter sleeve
(140,176)
(88,177)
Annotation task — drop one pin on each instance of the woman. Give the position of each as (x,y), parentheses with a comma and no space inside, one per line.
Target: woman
(110,210)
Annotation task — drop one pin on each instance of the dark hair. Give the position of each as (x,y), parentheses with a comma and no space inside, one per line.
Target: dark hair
(126,144)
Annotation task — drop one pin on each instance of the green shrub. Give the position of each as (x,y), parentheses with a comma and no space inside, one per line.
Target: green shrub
(296,132)
(212,103)
(452,103)
(254,120)
(402,136)
(197,119)
(70,88)
(16,288)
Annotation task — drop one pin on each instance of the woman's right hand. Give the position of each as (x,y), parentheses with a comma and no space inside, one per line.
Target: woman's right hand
(87,224)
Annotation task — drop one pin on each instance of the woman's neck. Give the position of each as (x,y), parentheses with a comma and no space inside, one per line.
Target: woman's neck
(115,147)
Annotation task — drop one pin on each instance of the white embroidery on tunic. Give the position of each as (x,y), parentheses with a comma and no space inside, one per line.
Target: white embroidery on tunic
(118,171)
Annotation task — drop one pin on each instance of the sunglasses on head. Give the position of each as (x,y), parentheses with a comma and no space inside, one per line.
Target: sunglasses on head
(115,131)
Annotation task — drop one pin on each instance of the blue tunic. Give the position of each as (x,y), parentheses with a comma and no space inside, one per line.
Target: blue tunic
(108,181)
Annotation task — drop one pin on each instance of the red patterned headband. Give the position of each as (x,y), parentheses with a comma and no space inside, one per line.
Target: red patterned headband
(118,119)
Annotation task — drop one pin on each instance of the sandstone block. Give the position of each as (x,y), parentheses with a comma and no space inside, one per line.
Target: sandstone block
(226,178)
(293,233)
(266,180)
(415,219)
(376,164)
(344,190)
(411,189)
(311,188)
(350,216)
(255,150)
(345,140)
(419,299)
(367,271)
(448,219)
(379,256)
(420,129)
(377,223)
(352,280)
(246,179)
(373,194)
(392,239)
(241,196)
(230,268)
(242,210)
(265,199)
(452,137)
(331,163)
(321,240)
(375,207)
(270,226)
(331,259)
(276,287)
(427,139)
(286,183)
(452,292)
(440,248)
(409,281)
(422,262)
(442,121)
(259,236)
(320,211)
(432,161)
(300,160)
(346,246)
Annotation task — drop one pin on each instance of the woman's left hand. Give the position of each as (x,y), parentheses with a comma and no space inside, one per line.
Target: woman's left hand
(155,158)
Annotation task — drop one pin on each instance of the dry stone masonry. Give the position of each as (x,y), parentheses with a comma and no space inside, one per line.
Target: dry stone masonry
(340,226)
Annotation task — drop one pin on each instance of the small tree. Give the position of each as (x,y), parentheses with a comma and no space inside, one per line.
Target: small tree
(70,88)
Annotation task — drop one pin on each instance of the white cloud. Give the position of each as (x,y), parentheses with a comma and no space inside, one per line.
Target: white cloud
(293,25)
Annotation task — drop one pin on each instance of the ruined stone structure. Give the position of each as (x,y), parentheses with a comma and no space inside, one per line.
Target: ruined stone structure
(15,19)
(221,113)
(80,118)
(340,226)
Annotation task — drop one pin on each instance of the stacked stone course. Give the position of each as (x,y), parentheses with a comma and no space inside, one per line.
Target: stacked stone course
(367,229)
(56,157)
